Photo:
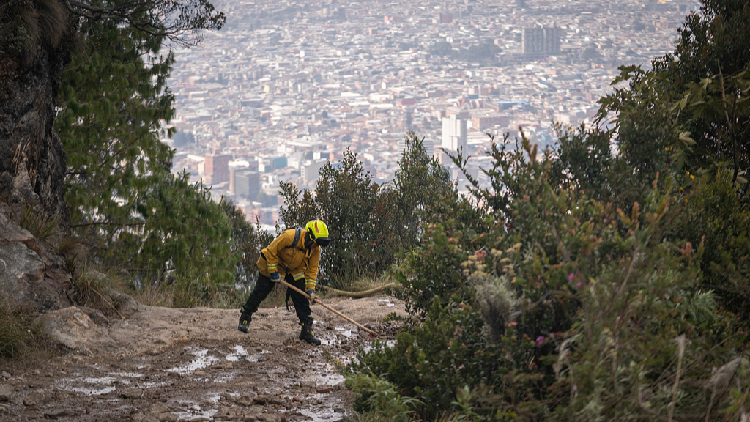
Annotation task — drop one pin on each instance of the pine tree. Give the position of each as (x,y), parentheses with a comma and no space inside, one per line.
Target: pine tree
(119,189)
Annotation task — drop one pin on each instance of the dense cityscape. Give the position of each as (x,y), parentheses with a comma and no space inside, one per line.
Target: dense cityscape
(287,86)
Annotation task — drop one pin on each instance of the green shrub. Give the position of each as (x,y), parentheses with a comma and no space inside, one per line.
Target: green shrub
(715,214)
(445,353)
(432,268)
(589,312)
(369,223)
(379,397)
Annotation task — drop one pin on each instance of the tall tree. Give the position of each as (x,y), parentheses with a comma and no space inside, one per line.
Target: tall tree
(420,183)
(114,101)
(40,35)
(689,113)
(183,232)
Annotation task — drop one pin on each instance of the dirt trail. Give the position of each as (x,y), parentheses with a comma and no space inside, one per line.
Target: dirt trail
(167,364)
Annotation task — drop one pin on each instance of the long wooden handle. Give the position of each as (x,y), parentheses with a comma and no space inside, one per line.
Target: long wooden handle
(369,331)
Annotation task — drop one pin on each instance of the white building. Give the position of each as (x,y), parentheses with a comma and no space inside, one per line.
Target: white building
(455,131)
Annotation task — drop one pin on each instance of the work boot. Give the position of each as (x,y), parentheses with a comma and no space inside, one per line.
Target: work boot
(245,319)
(307,332)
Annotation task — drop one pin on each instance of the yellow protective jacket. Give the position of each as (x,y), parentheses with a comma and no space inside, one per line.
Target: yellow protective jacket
(282,257)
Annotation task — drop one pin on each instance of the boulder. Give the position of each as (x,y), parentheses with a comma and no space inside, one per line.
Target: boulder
(22,271)
(22,280)
(72,328)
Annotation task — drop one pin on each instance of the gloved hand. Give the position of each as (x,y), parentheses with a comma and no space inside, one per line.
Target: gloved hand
(276,278)
(312,294)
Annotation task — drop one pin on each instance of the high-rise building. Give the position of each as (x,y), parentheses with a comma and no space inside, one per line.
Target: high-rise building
(541,40)
(217,166)
(445,17)
(429,147)
(246,184)
(310,172)
(454,133)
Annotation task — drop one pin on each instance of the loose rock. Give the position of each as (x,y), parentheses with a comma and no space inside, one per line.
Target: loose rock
(33,399)
(5,394)
(132,393)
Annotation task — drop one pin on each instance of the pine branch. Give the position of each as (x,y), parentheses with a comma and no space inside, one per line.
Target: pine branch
(106,223)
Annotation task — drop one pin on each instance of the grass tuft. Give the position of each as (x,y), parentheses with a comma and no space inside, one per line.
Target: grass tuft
(20,332)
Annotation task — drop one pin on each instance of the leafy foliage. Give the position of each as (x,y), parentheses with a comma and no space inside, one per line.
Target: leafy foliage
(119,190)
(246,241)
(379,396)
(417,170)
(689,113)
(714,214)
(580,304)
(431,363)
(114,104)
(184,231)
(368,223)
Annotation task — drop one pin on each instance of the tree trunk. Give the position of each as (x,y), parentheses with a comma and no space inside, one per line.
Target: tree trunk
(27,138)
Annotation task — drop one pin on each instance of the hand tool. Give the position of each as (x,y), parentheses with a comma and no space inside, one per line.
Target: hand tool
(369,331)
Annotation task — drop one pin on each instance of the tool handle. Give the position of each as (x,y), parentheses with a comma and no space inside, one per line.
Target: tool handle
(372,333)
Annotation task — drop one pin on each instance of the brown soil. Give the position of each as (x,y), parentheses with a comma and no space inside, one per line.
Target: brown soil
(167,364)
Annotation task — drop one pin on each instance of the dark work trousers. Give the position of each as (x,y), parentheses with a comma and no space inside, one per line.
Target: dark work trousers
(264,286)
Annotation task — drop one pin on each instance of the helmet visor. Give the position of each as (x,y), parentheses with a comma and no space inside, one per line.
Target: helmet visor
(322,241)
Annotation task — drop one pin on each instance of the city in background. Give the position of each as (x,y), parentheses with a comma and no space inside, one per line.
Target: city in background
(287,86)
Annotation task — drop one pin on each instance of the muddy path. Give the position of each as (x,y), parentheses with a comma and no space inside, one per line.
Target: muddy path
(166,364)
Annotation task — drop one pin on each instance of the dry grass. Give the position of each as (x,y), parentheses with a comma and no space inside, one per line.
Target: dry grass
(21,335)
(369,283)
(152,296)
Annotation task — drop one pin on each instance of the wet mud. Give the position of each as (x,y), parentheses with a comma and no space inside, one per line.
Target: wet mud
(222,375)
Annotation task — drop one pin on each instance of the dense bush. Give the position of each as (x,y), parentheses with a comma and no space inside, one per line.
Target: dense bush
(591,312)
(609,276)
(246,241)
(431,363)
(715,214)
(368,222)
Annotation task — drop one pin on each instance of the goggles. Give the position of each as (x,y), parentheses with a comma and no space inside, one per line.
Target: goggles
(320,241)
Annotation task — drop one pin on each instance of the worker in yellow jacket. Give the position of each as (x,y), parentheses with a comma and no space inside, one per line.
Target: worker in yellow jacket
(294,255)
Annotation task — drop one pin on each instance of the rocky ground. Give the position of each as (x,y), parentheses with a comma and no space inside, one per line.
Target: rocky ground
(163,364)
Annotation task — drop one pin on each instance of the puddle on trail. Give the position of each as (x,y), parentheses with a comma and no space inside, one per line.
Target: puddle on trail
(388,303)
(202,360)
(323,415)
(195,412)
(126,374)
(221,368)
(346,333)
(388,343)
(242,354)
(95,387)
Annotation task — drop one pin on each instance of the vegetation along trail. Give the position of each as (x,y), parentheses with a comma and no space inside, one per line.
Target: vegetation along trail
(166,364)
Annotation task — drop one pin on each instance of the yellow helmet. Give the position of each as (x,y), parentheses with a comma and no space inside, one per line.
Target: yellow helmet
(318,232)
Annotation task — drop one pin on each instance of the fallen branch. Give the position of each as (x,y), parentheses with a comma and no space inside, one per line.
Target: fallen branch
(365,293)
